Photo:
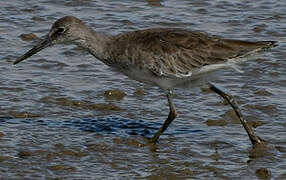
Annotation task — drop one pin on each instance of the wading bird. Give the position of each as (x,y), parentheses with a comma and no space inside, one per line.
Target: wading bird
(164,57)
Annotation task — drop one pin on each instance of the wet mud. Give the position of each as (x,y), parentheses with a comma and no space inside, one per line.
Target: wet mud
(28,37)
(115,94)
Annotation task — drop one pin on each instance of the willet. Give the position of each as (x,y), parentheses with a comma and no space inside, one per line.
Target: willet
(163,57)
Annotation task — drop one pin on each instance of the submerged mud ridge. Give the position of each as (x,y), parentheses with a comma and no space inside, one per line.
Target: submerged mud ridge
(22,114)
(28,37)
(230,117)
(115,94)
(263,173)
(81,104)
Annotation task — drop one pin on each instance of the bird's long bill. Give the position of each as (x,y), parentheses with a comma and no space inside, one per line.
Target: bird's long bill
(41,45)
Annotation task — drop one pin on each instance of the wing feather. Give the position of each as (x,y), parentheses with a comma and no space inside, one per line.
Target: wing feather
(175,52)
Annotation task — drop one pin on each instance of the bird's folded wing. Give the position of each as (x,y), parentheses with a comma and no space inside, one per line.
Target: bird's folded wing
(176,52)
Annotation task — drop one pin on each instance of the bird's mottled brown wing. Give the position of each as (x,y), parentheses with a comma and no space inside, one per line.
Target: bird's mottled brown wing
(175,52)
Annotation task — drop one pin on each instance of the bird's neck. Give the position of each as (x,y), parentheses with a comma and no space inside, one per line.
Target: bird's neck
(94,42)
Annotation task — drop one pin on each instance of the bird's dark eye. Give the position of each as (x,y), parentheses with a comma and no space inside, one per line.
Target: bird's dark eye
(60,30)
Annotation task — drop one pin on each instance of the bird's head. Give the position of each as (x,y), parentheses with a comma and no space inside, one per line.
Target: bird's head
(65,30)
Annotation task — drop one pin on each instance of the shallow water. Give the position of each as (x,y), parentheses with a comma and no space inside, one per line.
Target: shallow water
(65,115)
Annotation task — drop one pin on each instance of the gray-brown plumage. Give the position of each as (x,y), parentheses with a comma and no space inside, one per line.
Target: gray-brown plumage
(176,56)
(163,57)
(176,52)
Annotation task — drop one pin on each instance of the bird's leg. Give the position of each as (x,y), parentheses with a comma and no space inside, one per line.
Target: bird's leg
(229,98)
(172,115)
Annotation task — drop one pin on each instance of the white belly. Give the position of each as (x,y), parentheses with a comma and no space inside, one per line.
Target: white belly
(167,83)
(195,79)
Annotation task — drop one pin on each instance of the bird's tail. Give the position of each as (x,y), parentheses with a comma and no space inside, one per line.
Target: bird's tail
(267,44)
(250,49)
